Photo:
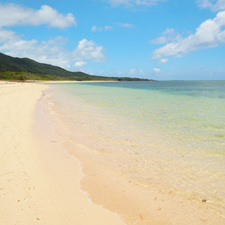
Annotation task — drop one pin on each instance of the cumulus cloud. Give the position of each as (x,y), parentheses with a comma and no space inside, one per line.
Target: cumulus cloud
(132,71)
(7,35)
(163,60)
(135,72)
(105,28)
(167,36)
(211,33)
(157,70)
(95,28)
(89,50)
(125,25)
(79,64)
(134,2)
(52,51)
(15,15)
(148,2)
(212,4)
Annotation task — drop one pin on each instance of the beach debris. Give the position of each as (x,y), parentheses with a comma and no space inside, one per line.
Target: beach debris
(37,218)
(204,200)
(141,217)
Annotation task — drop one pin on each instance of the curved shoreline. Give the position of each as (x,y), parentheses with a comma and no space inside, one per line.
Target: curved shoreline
(135,202)
(39,182)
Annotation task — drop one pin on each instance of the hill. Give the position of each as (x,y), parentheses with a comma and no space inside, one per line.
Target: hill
(12,68)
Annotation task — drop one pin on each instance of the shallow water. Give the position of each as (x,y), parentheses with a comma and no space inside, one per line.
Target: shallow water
(168,133)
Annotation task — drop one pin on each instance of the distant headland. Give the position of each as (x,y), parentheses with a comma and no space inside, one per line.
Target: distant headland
(13,68)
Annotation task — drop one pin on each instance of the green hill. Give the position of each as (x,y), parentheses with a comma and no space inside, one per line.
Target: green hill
(12,68)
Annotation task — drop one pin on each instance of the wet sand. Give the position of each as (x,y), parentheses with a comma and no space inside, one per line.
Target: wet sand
(49,176)
(135,202)
(40,183)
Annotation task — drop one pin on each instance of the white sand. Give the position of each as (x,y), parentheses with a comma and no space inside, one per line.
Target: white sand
(38,185)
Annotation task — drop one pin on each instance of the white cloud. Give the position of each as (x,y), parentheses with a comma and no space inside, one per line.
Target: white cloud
(89,50)
(51,52)
(105,28)
(163,60)
(15,15)
(157,70)
(148,2)
(214,5)
(132,71)
(120,2)
(125,25)
(136,72)
(95,28)
(209,34)
(141,71)
(168,36)
(7,35)
(134,2)
(79,64)
(108,28)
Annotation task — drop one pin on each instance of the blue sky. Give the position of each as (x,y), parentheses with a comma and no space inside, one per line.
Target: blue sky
(159,39)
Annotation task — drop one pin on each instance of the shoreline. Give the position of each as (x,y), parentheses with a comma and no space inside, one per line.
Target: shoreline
(39,181)
(49,178)
(135,202)
(87,81)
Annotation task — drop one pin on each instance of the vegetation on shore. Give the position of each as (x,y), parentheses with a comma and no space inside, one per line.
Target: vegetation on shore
(22,69)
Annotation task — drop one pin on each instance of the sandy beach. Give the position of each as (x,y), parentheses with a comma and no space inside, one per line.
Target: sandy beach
(49,175)
(82,133)
(39,181)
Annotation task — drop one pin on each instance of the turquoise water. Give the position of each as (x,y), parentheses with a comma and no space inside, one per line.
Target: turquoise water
(168,133)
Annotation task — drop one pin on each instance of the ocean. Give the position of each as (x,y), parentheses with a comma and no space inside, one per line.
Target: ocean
(168,134)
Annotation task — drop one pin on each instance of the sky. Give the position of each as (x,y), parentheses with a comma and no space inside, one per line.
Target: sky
(155,39)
